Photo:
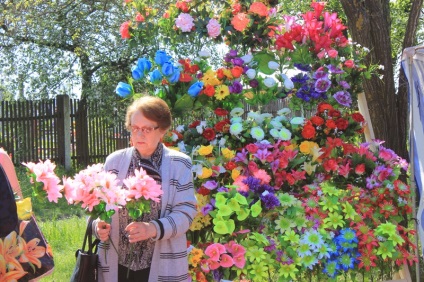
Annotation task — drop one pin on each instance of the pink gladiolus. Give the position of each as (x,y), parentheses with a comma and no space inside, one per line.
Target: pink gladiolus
(226,261)
(142,185)
(214,251)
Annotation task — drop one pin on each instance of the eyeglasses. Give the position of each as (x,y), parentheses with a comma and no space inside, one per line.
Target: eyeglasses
(144,130)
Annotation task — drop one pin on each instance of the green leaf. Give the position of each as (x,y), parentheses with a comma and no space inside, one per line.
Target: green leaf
(263,58)
(185,103)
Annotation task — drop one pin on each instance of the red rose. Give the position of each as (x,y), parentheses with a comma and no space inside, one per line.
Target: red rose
(348,148)
(322,107)
(317,121)
(221,112)
(203,191)
(252,166)
(209,134)
(230,165)
(308,131)
(342,124)
(252,148)
(221,125)
(358,117)
(329,123)
(334,113)
(194,124)
(182,6)
(360,169)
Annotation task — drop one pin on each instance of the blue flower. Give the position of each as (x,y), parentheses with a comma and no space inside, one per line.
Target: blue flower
(123,89)
(144,65)
(175,75)
(137,73)
(195,89)
(155,76)
(167,68)
(161,57)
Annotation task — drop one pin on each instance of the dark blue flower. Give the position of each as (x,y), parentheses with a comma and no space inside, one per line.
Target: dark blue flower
(195,89)
(123,89)
(303,67)
(270,200)
(167,69)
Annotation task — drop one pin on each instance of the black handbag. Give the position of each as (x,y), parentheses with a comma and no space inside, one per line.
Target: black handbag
(87,260)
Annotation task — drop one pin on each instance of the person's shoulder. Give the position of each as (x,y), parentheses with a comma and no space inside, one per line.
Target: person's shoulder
(176,154)
(117,154)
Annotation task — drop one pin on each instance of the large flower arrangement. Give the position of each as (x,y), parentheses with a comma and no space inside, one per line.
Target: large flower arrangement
(280,196)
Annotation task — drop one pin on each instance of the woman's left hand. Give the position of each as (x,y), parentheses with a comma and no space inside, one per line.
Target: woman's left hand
(139,231)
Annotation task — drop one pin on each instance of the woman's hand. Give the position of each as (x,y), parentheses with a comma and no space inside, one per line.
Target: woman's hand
(139,231)
(103,230)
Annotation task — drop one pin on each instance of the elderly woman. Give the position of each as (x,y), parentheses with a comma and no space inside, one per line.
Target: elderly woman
(159,251)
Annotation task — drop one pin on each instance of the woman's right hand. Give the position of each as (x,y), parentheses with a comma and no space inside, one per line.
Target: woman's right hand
(103,230)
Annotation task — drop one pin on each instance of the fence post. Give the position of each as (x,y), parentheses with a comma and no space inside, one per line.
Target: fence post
(64,130)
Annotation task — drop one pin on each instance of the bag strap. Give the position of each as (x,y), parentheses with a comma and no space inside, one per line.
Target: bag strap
(92,246)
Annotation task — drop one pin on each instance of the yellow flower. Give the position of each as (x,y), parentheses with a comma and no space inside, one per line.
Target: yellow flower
(221,92)
(235,173)
(227,73)
(24,209)
(206,173)
(205,150)
(306,146)
(209,78)
(227,153)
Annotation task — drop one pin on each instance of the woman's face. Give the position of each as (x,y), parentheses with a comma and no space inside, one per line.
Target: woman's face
(145,134)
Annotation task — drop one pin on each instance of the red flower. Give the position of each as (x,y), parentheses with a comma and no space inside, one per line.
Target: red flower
(209,134)
(182,6)
(360,169)
(230,165)
(342,124)
(358,117)
(222,126)
(330,124)
(252,148)
(203,191)
(330,165)
(322,107)
(125,30)
(317,121)
(237,71)
(194,124)
(221,112)
(209,90)
(334,113)
(308,131)
(284,41)
(185,77)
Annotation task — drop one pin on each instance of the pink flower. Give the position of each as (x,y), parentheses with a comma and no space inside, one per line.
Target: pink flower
(239,260)
(235,249)
(226,261)
(142,185)
(139,18)
(214,28)
(241,187)
(213,264)
(184,22)
(262,175)
(332,53)
(125,30)
(360,169)
(214,251)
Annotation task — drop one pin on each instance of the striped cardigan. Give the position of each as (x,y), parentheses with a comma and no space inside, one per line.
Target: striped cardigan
(169,262)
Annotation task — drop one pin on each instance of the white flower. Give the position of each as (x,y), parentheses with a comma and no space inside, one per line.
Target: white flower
(266,115)
(237,112)
(236,120)
(297,120)
(257,133)
(264,193)
(366,49)
(253,115)
(280,118)
(381,67)
(222,142)
(199,129)
(274,132)
(236,128)
(269,82)
(273,65)
(197,169)
(251,73)
(204,53)
(276,124)
(182,147)
(180,128)
(247,58)
(174,136)
(288,84)
(213,142)
(283,111)
(284,134)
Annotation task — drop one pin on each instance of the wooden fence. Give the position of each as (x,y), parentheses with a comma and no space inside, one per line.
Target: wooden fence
(66,131)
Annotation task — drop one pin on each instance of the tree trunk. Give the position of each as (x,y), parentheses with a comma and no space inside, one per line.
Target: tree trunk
(369,25)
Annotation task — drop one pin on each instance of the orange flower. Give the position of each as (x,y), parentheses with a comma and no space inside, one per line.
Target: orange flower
(237,71)
(209,90)
(32,252)
(240,21)
(259,8)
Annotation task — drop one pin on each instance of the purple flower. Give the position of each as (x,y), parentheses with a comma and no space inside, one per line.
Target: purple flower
(254,83)
(344,84)
(241,156)
(262,155)
(206,209)
(322,84)
(334,69)
(320,74)
(210,184)
(303,67)
(270,200)
(236,87)
(300,78)
(372,182)
(222,189)
(237,61)
(343,98)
